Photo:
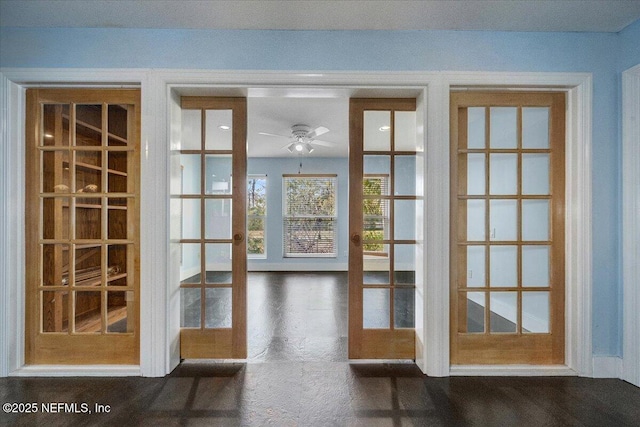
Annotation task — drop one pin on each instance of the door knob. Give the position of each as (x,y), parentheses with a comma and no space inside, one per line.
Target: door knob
(355,238)
(238,237)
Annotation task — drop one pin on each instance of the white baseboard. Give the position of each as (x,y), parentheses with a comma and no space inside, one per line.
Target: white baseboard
(607,367)
(297,266)
(511,371)
(77,371)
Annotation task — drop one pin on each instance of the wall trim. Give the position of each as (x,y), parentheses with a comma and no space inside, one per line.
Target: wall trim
(12,239)
(512,371)
(13,84)
(5,226)
(607,367)
(631,223)
(578,86)
(78,371)
(297,266)
(436,298)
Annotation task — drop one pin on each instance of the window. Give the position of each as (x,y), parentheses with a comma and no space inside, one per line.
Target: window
(309,215)
(376,214)
(257,216)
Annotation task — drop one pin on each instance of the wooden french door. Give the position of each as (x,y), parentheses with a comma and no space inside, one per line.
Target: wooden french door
(210,199)
(383,209)
(82,226)
(507,233)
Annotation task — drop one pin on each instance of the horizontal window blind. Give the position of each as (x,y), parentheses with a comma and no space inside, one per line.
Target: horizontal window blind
(309,216)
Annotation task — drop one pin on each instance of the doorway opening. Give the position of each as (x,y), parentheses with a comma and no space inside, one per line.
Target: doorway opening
(297,223)
(297,287)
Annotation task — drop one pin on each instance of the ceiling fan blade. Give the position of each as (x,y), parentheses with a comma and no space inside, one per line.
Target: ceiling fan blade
(274,134)
(323,143)
(317,132)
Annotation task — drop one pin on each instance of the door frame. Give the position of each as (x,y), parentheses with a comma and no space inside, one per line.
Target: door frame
(159,348)
(631,223)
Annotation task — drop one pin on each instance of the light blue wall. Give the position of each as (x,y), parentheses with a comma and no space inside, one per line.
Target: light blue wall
(602,54)
(630,46)
(274,168)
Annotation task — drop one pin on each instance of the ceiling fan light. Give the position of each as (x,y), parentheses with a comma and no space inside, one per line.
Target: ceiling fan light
(298,146)
(290,147)
(309,147)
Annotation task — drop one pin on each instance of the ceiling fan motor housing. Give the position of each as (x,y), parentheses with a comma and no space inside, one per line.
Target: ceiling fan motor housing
(300,132)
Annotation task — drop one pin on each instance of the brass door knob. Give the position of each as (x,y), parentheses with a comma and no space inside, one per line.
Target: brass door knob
(355,238)
(238,237)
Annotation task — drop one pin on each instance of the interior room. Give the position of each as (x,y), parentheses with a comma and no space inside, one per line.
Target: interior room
(297,282)
(320,213)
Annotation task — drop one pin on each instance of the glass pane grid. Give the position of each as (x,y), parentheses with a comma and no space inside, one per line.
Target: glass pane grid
(513,266)
(389,268)
(204,201)
(89,171)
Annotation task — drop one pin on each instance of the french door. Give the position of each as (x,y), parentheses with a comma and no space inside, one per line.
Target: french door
(507,234)
(210,199)
(384,209)
(82,226)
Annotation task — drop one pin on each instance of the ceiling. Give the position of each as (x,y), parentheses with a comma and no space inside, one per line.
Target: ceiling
(277,112)
(276,115)
(492,15)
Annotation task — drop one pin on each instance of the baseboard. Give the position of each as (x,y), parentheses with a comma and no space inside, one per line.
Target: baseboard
(511,371)
(77,371)
(607,367)
(297,266)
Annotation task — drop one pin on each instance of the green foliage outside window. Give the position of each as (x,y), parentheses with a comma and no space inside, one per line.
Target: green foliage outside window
(256,215)
(374,213)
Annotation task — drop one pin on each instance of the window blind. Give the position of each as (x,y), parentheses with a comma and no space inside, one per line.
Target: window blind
(309,216)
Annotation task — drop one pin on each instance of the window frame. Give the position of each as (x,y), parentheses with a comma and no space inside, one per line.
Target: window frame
(333,218)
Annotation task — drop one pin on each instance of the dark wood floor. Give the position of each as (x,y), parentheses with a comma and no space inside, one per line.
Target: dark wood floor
(297,374)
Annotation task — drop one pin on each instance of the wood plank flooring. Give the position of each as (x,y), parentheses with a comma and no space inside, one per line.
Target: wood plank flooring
(297,374)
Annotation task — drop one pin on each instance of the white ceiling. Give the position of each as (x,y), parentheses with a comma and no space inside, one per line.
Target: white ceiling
(277,112)
(494,15)
(276,115)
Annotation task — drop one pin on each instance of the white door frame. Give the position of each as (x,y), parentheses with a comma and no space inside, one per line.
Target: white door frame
(578,208)
(158,338)
(631,223)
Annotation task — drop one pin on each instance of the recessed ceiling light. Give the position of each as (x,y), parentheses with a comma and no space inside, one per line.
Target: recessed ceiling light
(384,128)
(224,127)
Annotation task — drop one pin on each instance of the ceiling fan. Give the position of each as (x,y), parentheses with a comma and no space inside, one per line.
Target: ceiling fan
(303,138)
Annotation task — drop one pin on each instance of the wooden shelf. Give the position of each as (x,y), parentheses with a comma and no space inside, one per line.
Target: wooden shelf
(93,283)
(116,277)
(86,206)
(98,206)
(93,323)
(90,167)
(96,129)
